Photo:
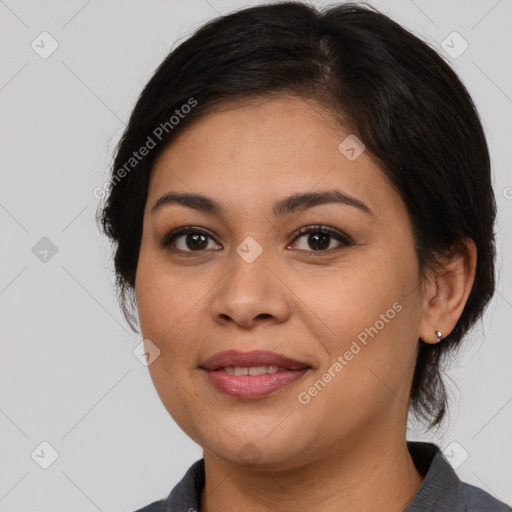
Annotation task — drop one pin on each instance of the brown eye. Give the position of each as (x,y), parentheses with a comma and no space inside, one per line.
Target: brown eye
(187,240)
(320,239)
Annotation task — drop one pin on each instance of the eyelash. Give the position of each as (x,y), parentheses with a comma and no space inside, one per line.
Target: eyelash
(316,229)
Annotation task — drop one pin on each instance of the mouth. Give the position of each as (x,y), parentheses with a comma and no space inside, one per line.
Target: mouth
(253,374)
(252,370)
(253,359)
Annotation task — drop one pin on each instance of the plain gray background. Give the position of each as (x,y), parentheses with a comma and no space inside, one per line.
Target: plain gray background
(68,375)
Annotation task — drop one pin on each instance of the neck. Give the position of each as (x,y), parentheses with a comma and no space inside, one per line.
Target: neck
(369,475)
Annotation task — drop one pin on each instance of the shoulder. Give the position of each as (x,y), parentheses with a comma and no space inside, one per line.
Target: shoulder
(478,500)
(156,506)
(186,494)
(442,490)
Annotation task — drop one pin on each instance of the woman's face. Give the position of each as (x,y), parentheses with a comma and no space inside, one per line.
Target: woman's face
(348,305)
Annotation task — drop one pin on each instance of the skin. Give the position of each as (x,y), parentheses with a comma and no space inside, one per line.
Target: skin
(346,448)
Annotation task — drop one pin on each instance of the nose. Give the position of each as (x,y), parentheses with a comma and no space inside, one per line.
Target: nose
(250,294)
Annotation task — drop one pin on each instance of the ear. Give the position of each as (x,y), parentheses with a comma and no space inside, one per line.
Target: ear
(447,290)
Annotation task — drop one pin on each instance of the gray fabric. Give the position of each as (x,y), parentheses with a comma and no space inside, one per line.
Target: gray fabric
(441,490)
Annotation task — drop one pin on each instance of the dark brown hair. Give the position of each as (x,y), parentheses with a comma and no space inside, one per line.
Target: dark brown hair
(388,87)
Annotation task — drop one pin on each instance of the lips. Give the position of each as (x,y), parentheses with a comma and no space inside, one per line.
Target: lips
(255,358)
(252,375)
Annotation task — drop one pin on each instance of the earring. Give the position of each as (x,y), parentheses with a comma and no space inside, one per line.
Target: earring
(439,335)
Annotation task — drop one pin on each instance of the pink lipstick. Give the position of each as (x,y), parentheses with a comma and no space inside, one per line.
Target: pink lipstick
(252,374)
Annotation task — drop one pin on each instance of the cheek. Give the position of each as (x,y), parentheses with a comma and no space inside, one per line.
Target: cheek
(365,313)
(166,312)
(364,290)
(165,299)
(171,304)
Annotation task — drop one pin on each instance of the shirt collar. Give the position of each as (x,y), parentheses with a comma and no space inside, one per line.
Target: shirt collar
(440,486)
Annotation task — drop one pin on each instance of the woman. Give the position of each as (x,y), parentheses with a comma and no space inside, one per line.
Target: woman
(302,213)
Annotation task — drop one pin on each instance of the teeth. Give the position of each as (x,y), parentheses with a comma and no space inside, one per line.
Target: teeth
(252,370)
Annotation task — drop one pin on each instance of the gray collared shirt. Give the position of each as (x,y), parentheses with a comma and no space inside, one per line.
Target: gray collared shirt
(441,490)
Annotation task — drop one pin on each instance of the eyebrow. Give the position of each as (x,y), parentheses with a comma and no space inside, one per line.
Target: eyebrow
(292,204)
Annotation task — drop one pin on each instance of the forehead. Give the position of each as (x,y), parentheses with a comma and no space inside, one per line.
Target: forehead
(245,152)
